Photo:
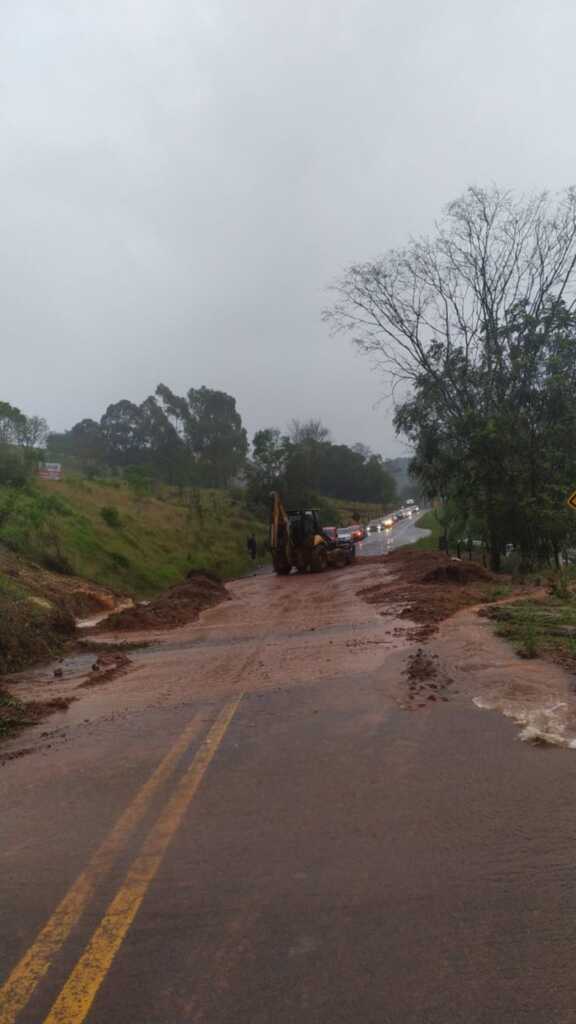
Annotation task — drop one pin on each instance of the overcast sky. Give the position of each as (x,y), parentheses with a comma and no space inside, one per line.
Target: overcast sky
(181,180)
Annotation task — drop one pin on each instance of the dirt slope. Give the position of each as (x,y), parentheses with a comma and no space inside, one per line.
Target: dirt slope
(429,586)
(175,607)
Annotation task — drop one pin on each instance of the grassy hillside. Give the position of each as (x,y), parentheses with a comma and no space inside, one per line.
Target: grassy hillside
(102,530)
(31,628)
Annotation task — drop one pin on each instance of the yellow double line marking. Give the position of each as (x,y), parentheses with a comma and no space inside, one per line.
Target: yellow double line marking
(75,999)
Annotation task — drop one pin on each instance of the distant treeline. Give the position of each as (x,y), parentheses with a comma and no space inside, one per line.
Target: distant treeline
(22,440)
(304,463)
(198,440)
(195,440)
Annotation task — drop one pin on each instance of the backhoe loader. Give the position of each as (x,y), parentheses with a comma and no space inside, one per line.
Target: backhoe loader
(298,542)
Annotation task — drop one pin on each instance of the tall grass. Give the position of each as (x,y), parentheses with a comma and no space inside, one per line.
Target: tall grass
(103,531)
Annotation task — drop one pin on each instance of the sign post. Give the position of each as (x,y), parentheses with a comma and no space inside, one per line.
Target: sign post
(50,471)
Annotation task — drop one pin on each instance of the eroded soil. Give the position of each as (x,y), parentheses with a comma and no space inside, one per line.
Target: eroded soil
(408,622)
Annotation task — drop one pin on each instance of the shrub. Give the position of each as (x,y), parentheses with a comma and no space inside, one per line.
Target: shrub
(560,586)
(529,640)
(119,560)
(111,516)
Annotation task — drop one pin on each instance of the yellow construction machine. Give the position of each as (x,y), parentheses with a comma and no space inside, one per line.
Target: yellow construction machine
(297,541)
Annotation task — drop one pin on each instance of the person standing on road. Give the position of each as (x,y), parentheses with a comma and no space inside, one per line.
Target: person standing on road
(252,546)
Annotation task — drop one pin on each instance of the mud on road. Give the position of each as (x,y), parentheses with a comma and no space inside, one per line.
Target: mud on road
(296,630)
(383,615)
(382,618)
(368,844)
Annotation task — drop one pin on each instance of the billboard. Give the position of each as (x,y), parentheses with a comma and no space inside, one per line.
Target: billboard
(50,471)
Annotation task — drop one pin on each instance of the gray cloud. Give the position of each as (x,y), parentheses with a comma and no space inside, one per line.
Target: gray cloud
(180,182)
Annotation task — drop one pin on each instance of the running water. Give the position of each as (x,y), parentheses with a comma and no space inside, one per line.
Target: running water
(539,696)
(552,723)
(93,620)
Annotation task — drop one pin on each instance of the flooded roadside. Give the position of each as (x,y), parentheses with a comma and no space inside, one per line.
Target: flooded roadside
(537,695)
(394,622)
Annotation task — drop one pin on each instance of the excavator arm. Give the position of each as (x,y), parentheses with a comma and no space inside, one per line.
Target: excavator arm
(280,536)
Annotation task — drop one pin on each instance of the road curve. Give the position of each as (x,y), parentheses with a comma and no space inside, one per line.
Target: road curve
(402,533)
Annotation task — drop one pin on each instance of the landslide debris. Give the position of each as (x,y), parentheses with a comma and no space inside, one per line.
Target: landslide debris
(38,609)
(30,630)
(176,606)
(16,714)
(428,587)
(458,572)
(108,666)
(71,594)
(426,684)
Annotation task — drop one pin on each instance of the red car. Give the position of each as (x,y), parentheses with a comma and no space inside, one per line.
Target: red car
(358,531)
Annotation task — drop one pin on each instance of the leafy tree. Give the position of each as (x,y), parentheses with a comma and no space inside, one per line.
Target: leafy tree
(507,456)
(270,451)
(478,322)
(32,434)
(21,438)
(139,481)
(210,426)
(121,427)
(12,423)
(85,441)
(166,456)
(302,469)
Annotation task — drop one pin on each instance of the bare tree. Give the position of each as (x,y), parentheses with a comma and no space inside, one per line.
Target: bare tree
(32,432)
(444,299)
(307,431)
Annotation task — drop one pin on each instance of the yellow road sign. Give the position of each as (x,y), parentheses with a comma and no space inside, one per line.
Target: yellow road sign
(572,500)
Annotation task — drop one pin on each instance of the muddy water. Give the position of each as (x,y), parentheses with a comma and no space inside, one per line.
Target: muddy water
(349,858)
(537,695)
(93,620)
(296,631)
(302,630)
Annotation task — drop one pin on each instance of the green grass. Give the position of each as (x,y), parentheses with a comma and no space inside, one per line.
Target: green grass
(429,521)
(141,544)
(104,531)
(499,591)
(546,627)
(12,714)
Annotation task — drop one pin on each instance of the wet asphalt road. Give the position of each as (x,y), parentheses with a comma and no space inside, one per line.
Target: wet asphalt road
(313,853)
(406,531)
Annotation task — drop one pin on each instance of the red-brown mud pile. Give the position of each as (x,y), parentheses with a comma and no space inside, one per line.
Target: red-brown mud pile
(425,683)
(428,587)
(177,606)
(15,714)
(108,666)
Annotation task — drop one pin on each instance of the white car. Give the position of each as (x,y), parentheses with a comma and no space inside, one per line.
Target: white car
(344,533)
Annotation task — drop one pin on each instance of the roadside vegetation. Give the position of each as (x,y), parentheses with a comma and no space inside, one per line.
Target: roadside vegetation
(148,493)
(429,521)
(13,714)
(477,324)
(31,627)
(138,544)
(543,626)
(198,440)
